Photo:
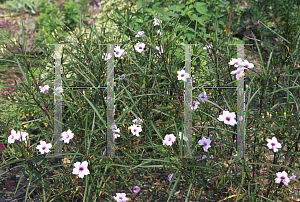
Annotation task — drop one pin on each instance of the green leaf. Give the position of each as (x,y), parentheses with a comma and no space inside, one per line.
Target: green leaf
(189,2)
(201,7)
(176,8)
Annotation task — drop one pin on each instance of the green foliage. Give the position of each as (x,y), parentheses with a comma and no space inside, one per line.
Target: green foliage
(60,18)
(21,5)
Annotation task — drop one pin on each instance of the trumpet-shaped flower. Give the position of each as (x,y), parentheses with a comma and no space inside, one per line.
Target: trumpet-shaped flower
(139,47)
(239,72)
(194,105)
(273,144)
(228,118)
(138,121)
(203,96)
(13,136)
(170,177)
(156,21)
(158,33)
(135,129)
(67,136)
(121,197)
(282,177)
(208,47)
(44,89)
(182,75)
(293,177)
(118,51)
(247,64)
(160,49)
(140,34)
(106,56)
(136,189)
(169,140)
(205,142)
(22,135)
(44,147)
(81,169)
(236,62)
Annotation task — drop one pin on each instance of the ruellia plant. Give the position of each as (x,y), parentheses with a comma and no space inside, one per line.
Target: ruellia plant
(150,77)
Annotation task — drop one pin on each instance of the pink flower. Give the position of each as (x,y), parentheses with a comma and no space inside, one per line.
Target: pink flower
(228,118)
(239,73)
(43,147)
(169,140)
(139,47)
(121,197)
(136,189)
(2,146)
(140,34)
(81,169)
(156,21)
(135,129)
(5,118)
(205,142)
(14,136)
(182,75)
(44,89)
(293,177)
(282,177)
(273,144)
(170,177)
(236,62)
(67,136)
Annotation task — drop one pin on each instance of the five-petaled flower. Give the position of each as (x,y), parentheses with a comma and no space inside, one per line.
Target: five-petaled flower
(81,169)
(67,136)
(203,96)
(136,189)
(236,62)
(156,21)
(169,140)
(106,56)
(118,52)
(282,177)
(182,75)
(135,129)
(140,34)
(273,144)
(239,72)
(44,147)
(121,197)
(228,118)
(139,47)
(194,105)
(205,142)
(13,136)
(208,47)
(44,89)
